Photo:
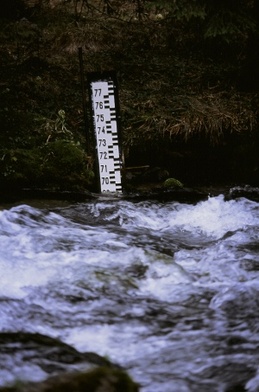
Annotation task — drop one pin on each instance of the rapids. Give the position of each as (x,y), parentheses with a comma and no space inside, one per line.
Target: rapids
(169,291)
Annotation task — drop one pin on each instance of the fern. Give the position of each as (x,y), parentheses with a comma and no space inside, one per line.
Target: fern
(229,25)
(224,19)
(181,10)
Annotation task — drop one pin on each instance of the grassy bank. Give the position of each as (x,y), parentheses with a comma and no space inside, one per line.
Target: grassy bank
(186,106)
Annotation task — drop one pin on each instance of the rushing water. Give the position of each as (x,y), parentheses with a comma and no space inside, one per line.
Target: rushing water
(170,291)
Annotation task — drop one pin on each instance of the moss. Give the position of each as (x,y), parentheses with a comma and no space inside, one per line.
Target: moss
(172,183)
(65,162)
(60,164)
(20,166)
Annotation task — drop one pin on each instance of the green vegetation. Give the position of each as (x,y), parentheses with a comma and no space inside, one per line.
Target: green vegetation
(188,76)
(172,183)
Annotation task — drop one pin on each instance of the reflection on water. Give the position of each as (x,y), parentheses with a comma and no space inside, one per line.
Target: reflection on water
(167,290)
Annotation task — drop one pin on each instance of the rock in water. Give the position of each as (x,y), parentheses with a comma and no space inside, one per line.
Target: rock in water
(102,379)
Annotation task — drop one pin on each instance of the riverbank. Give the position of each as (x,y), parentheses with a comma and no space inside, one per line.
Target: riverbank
(44,198)
(189,105)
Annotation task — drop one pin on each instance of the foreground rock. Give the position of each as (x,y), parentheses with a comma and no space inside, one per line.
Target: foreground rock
(102,379)
(35,362)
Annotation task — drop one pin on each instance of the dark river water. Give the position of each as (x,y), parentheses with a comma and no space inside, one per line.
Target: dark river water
(170,291)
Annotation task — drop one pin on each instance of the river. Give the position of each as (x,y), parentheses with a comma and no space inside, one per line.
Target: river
(168,290)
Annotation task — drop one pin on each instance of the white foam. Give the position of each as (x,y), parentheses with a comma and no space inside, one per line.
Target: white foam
(213,217)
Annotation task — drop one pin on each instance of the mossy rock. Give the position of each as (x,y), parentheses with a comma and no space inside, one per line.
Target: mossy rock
(172,183)
(102,379)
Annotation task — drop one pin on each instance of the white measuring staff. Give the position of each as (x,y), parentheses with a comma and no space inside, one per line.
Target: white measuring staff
(106,134)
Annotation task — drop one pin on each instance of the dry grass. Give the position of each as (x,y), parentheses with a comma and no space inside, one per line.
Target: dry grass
(160,95)
(210,115)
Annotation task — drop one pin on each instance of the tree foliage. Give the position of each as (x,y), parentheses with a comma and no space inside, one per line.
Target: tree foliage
(228,19)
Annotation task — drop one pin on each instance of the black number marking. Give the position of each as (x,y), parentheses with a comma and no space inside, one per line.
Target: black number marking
(98,105)
(100,130)
(103,155)
(100,117)
(97,92)
(101,142)
(105,180)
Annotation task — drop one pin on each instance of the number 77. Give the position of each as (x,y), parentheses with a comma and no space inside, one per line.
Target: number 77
(97,92)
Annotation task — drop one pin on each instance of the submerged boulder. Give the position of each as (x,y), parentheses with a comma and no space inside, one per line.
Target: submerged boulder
(247,191)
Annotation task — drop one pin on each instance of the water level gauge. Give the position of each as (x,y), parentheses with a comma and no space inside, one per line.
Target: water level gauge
(104,105)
